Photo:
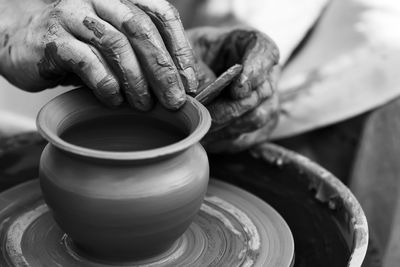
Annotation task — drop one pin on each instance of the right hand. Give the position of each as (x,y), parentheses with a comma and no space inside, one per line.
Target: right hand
(119,49)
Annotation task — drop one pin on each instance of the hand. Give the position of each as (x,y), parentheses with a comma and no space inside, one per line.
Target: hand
(246,112)
(130,49)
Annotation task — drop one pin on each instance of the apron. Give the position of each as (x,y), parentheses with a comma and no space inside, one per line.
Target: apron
(339,58)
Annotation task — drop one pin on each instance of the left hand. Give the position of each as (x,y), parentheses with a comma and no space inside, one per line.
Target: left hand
(132,50)
(246,112)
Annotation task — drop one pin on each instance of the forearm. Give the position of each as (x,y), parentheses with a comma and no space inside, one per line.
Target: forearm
(9,12)
(15,14)
(15,18)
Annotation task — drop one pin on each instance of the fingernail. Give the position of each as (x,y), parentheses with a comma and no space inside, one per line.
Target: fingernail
(143,103)
(108,90)
(189,79)
(174,98)
(113,100)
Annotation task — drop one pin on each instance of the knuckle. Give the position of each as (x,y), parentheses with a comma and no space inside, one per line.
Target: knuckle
(269,46)
(185,55)
(164,11)
(145,33)
(114,40)
(169,12)
(53,27)
(52,31)
(108,86)
(164,69)
(260,118)
(138,27)
(167,77)
(163,63)
(236,109)
(140,83)
(225,112)
(59,13)
(95,26)
(265,90)
(56,13)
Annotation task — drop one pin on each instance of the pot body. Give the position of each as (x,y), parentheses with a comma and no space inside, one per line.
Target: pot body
(133,209)
(134,191)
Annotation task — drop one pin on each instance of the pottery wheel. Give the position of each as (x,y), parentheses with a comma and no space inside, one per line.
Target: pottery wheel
(233,228)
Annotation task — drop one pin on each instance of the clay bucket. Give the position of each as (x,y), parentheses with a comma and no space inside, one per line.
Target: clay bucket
(306,195)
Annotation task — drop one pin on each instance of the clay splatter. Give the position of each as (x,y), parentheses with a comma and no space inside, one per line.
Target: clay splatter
(254,241)
(49,66)
(95,26)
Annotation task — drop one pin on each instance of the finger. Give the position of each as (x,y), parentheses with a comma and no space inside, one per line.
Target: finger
(118,53)
(205,75)
(254,119)
(166,18)
(75,56)
(149,47)
(224,110)
(274,76)
(260,55)
(243,141)
(249,122)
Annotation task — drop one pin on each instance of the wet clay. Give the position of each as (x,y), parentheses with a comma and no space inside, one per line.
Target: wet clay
(96,27)
(123,133)
(49,65)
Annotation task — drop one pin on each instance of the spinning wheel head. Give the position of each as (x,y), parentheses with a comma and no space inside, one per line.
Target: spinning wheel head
(233,228)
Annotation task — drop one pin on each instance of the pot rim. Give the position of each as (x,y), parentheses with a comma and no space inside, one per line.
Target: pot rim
(192,138)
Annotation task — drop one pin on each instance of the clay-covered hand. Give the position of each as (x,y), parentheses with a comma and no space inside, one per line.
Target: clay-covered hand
(246,111)
(120,49)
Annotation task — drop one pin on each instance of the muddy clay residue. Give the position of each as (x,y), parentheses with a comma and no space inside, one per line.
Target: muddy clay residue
(318,239)
(230,230)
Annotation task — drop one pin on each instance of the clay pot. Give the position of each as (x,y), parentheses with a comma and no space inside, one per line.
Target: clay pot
(122,183)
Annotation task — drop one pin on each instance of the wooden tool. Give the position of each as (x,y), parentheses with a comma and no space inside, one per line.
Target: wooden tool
(210,92)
